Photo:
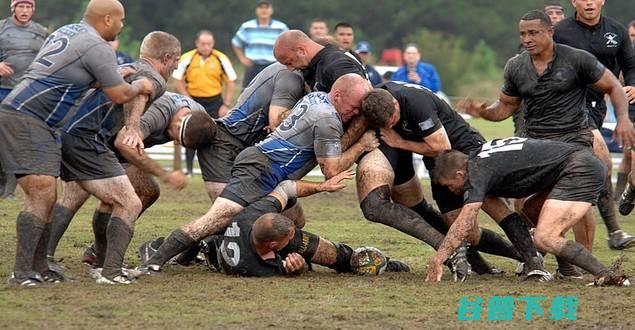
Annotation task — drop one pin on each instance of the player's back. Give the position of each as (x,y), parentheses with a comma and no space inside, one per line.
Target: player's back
(72,59)
(155,122)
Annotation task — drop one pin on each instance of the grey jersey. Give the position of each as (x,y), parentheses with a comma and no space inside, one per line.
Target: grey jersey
(313,129)
(19,45)
(155,122)
(97,115)
(71,60)
(275,85)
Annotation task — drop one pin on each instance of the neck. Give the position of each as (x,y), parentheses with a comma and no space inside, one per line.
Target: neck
(264,21)
(545,56)
(18,23)
(313,49)
(591,22)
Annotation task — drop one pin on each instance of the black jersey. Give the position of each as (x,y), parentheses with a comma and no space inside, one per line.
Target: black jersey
(608,41)
(515,167)
(423,113)
(555,101)
(237,255)
(329,64)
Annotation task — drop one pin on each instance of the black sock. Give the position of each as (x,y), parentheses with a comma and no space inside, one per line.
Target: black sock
(517,231)
(40,262)
(29,229)
(565,267)
(378,207)
(100,229)
(622,179)
(576,254)
(495,244)
(62,217)
(478,263)
(119,235)
(188,256)
(606,206)
(431,216)
(177,242)
(343,261)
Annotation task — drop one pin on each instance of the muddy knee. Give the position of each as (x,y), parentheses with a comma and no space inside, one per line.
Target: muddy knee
(373,206)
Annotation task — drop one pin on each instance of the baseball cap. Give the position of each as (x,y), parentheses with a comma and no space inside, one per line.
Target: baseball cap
(263,3)
(363,47)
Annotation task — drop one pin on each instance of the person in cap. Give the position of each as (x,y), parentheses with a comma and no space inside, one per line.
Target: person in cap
(363,51)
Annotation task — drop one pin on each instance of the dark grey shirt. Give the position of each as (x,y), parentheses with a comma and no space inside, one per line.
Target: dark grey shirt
(556,99)
(156,121)
(19,45)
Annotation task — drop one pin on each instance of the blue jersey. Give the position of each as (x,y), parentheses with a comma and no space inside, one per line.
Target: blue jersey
(72,59)
(313,129)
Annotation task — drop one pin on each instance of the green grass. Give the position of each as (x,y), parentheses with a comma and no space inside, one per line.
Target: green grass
(196,298)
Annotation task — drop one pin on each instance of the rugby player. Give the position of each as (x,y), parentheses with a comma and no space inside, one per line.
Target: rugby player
(415,120)
(570,175)
(608,41)
(73,58)
(163,122)
(311,133)
(88,160)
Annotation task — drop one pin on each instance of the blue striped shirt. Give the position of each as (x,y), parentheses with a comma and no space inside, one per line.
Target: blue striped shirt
(257,41)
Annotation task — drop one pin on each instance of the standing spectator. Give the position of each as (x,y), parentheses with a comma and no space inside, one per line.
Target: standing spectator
(555,11)
(253,42)
(318,29)
(344,35)
(20,40)
(631,32)
(417,72)
(202,74)
(122,58)
(363,50)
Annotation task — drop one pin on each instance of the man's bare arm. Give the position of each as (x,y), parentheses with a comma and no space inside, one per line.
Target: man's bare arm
(458,231)
(500,110)
(624,132)
(276,115)
(431,145)
(334,165)
(179,84)
(354,132)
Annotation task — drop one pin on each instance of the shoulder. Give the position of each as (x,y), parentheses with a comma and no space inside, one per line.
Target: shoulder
(610,22)
(565,24)
(252,23)
(275,24)
(425,66)
(572,53)
(187,56)
(219,54)
(38,27)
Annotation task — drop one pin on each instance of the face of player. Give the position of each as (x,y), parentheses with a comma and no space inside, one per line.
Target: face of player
(114,24)
(555,13)
(169,63)
(455,184)
(396,115)
(535,37)
(411,55)
(175,124)
(264,12)
(631,33)
(588,11)
(293,59)
(344,36)
(348,106)
(23,13)
(205,44)
(282,243)
(318,30)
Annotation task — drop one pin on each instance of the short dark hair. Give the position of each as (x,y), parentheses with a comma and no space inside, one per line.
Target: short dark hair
(632,24)
(377,108)
(203,32)
(343,25)
(318,20)
(279,228)
(553,4)
(447,163)
(539,15)
(200,129)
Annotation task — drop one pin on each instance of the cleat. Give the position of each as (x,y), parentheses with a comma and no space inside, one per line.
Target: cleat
(396,266)
(148,270)
(620,240)
(32,281)
(568,275)
(95,272)
(148,249)
(627,201)
(458,264)
(520,269)
(119,279)
(539,276)
(209,248)
(479,265)
(89,256)
(54,277)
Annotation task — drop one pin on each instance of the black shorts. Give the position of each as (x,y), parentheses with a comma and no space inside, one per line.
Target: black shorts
(252,177)
(86,158)
(28,146)
(597,115)
(217,158)
(583,138)
(581,179)
(446,200)
(211,104)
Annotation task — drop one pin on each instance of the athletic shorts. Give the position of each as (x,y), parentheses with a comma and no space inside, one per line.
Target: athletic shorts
(581,179)
(217,158)
(252,177)
(86,158)
(28,146)
(583,138)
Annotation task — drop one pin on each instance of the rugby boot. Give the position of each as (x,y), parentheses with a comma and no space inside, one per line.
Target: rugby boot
(32,281)
(620,240)
(458,264)
(627,201)
(396,266)
(148,249)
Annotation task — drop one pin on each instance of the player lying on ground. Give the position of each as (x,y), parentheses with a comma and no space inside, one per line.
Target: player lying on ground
(173,117)
(415,120)
(312,133)
(516,168)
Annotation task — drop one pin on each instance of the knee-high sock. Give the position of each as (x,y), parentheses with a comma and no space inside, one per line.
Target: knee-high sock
(62,217)
(40,262)
(576,254)
(495,244)
(100,230)
(177,242)
(606,206)
(517,231)
(119,235)
(29,229)
(431,216)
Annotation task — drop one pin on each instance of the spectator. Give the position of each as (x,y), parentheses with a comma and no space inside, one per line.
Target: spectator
(122,58)
(555,11)
(318,29)
(344,35)
(363,50)
(20,40)
(417,72)
(631,32)
(253,42)
(203,73)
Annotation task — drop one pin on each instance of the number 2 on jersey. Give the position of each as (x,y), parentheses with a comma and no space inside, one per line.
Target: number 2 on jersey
(55,46)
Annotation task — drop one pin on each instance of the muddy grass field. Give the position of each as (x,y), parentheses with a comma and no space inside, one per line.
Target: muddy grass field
(194,297)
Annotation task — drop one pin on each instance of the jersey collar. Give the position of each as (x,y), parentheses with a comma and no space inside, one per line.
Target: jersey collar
(586,26)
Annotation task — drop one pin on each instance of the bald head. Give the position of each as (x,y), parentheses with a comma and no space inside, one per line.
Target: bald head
(271,227)
(290,39)
(295,49)
(106,16)
(347,94)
